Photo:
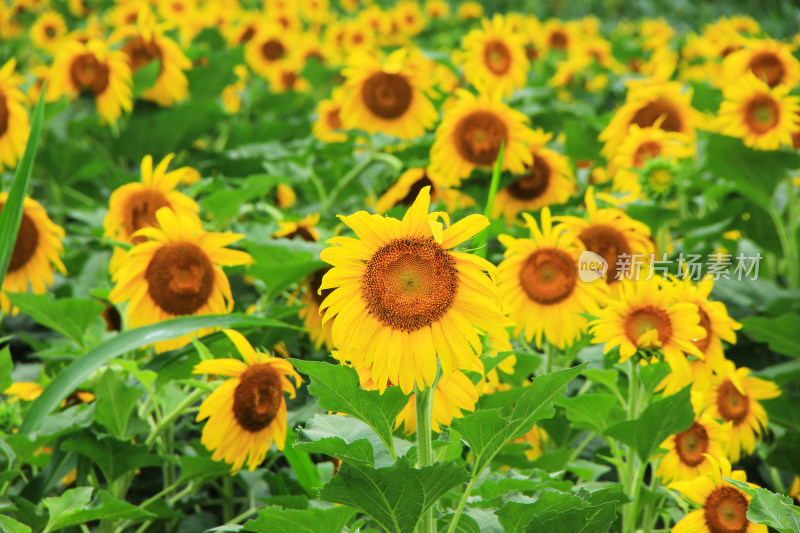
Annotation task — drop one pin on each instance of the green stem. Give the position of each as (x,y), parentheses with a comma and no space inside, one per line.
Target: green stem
(424,404)
(789,252)
(585,442)
(461,503)
(479,240)
(175,413)
(227,498)
(631,471)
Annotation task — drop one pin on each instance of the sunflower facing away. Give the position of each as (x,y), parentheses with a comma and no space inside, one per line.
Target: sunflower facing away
(688,452)
(35,253)
(494,57)
(175,273)
(539,285)
(408,185)
(403,299)
(14,125)
(92,67)
(471,133)
(247,412)
(388,97)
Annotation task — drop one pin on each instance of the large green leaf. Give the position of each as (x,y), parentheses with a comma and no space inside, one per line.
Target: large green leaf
(274,519)
(115,403)
(10,525)
(114,457)
(485,432)
(102,507)
(395,496)
(301,464)
(592,519)
(72,500)
(514,516)
(79,370)
(592,411)
(6,366)
(69,316)
(774,510)
(280,263)
(779,333)
(11,214)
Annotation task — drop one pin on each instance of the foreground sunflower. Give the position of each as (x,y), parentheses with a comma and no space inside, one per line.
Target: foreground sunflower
(246,413)
(539,285)
(388,97)
(36,252)
(176,273)
(689,452)
(471,133)
(14,125)
(403,299)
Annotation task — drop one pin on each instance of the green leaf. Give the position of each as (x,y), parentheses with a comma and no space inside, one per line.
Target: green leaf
(113,457)
(302,466)
(395,496)
(145,77)
(11,213)
(6,366)
(115,403)
(592,411)
(10,525)
(514,516)
(466,524)
(774,510)
(80,369)
(485,432)
(359,451)
(73,500)
(283,263)
(224,203)
(69,316)
(592,519)
(779,333)
(274,519)
(197,468)
(102,507)
(337,389)
(581,141)
(659,420)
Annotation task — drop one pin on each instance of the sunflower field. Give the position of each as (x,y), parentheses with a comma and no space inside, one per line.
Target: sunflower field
(280,266)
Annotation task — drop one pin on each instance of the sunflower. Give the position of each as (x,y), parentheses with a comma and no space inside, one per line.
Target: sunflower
(302,228)
(267,49)
(558,35)
(613,235)
(688,452)
(329,123)
(794,490)
(470,135)
(494,57)
(734,397)
(388,98)
(408,17)
(28,391)
(535,440)
(286,77)
(232,94)
(539,285)
(312,299)
(246,413)
(243,28)
(450,398)
(14,125)
(646,315)
(48,31)
(768,60)
(763,117)
(93,67)
(411,299)
(36,252)
(470,10)
(724,507)
(549,180)
(176,273)
(407,187)
(284,196)
(437,9)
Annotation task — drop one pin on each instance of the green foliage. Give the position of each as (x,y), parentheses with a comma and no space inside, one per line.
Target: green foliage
(774,510)
(115,402)
(69,316)
(271,519)
(780,333)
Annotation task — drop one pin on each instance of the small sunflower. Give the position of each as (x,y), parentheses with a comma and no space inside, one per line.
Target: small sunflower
(539,284)
(450,398)
(688,452)
(734,397)
(558,35)
(246,413)
(437,9)
(93,67)
(28,391)
(470,10)
(388,97)
(410,298)
(763,117)
(48,31)
(768,60)
(14,124)
(327,128)
(302,228)
(471,133)
(176,273)
(267,49)
(232,94)
(724,507)
(494,57)
(407,187)
(310,313)
(36,252)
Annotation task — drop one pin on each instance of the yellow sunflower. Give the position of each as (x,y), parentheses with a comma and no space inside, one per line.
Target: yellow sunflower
(470,10)
(329,123)
(310,313)
(246,413)
(558,35)
(232,94)
(403,299)
(494,57)
(284,196)
(36,252)
(48,31)
(688,452)
(763,117)
(92,67)
(407,187)
(388,97)
(470,135)
(437,9)
(302,228)
(267,49)
(243,29)
(646,315)
(286,77)
(28,391)
(539,285)
(734,397)
(14,124)
(535,439)
(450,398)
(724,507)
(768,60)
(176,273)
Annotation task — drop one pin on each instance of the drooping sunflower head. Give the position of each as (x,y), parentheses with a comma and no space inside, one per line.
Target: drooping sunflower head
(247,412)
(411,298)
(14,124)
(768,60)
(304,229)
(471,133)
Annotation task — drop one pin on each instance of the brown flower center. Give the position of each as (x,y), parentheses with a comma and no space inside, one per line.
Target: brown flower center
(387,95)
(497,57)
(303,231)
(652,111)
(531,52)
(410,283)
(289,79)
(413,191)
(258,397)
(140,211)
(180,277)
(705,323)
(49,31)
(558,39)
(478,136)
(609,243)
(645,319)
(646,150)
(725,511)
(248,33)
(332,117)
(534,184)
(762,113)
(272,50)
(692,444)
(27,242)
(732,404)
(141,52)
(4,114)
(316,282)
(86,72)
(767,67)
(548,276)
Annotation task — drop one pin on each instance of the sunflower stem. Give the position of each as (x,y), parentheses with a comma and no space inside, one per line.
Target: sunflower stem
(479,241)
(424,404)
(631,469)
(167,421)
(461,503)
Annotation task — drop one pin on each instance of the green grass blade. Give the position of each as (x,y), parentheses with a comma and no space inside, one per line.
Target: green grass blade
(80,369)
(479,240)
(11,214)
